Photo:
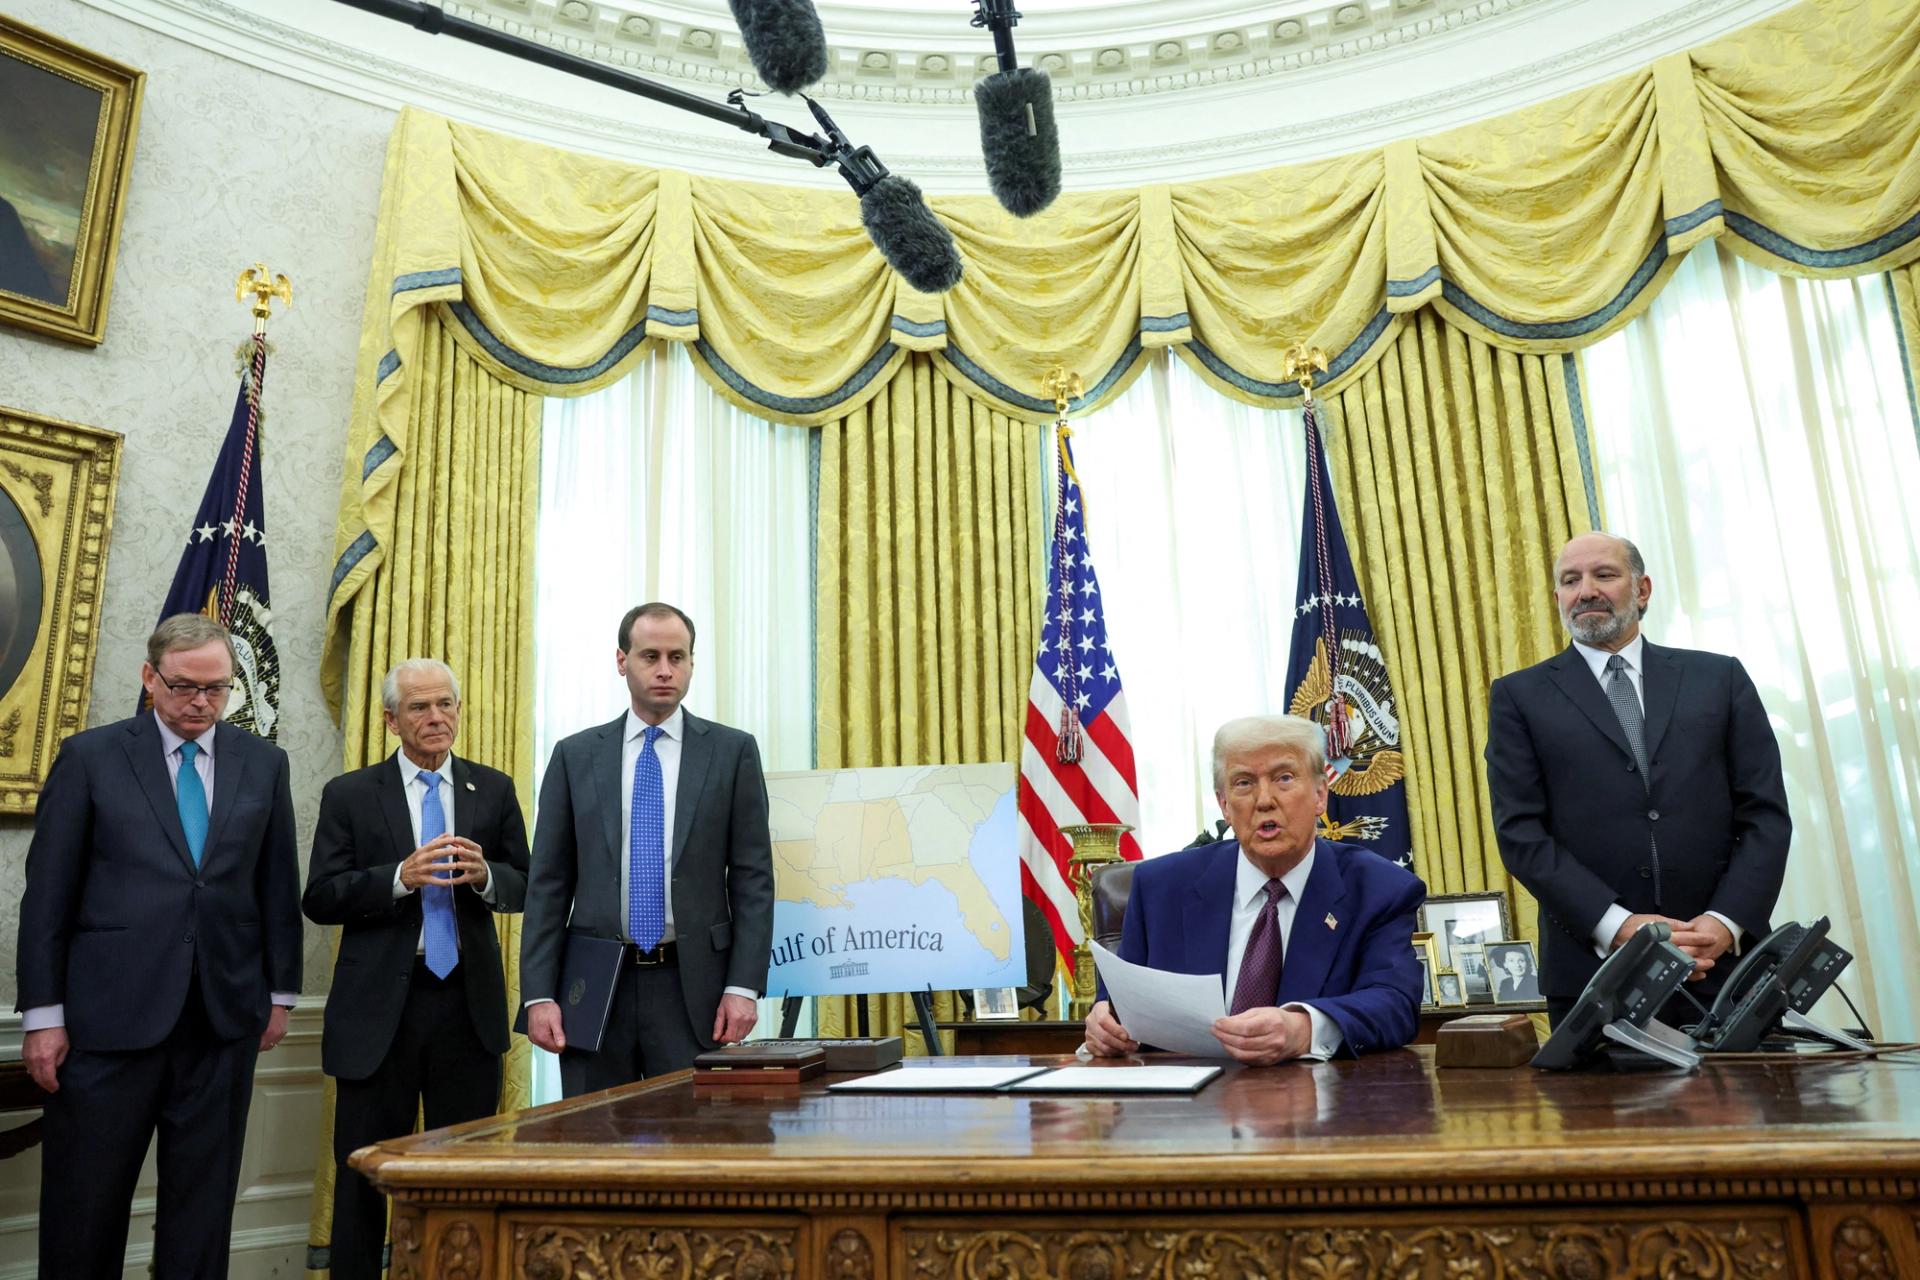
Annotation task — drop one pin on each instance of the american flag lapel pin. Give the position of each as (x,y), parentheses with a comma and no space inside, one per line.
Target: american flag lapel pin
(1331,922)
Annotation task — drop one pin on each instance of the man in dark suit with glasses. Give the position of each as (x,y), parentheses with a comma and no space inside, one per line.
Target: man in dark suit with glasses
(159,955)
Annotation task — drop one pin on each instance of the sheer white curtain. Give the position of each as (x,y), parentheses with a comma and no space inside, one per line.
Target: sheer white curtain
(1193,513)
(657,488)
(1753,435)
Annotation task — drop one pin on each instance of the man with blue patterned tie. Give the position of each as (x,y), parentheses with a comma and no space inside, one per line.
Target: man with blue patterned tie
(159,953)
(412,858)
(1632,782)
(652,830)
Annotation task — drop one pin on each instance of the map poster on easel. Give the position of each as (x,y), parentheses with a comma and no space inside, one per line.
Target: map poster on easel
(890,880)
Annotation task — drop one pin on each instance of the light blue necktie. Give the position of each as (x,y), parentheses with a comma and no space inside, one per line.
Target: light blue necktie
(190,796)
(646,849)
(436,900)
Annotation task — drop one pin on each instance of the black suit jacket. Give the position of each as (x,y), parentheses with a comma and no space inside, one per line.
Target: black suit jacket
(1574,818)
(116,919)
(364,833)
(722,859)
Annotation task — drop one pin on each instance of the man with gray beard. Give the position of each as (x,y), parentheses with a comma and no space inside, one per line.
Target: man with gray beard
(1632,782)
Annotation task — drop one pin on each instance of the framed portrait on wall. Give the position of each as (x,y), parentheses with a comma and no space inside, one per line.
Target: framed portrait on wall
(57,482)
(64,162)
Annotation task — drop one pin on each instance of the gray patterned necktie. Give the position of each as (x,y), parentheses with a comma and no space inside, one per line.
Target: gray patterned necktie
(1626,705)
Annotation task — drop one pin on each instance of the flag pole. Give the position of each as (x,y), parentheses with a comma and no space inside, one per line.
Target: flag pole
(265,288)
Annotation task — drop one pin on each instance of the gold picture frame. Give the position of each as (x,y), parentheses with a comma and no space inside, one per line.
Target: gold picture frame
(63,180)
(57,483)
(1423,951)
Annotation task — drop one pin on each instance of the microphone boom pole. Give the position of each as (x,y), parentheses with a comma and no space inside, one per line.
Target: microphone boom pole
(902,227)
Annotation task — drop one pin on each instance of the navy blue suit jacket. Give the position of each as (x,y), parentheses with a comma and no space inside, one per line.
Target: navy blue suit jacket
(117,920)
(1575,819)
(1360,971)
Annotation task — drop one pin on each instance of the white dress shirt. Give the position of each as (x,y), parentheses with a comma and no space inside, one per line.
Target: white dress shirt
(1249,898)
(55,1015)
(1630,653)
(416,792)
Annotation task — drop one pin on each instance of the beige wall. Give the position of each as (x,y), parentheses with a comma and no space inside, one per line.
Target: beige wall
(232,165)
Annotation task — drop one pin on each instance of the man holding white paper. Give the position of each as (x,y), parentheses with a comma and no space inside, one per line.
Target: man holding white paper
(1312,940)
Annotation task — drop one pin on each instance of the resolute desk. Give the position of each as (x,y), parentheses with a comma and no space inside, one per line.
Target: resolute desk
(1384,1167)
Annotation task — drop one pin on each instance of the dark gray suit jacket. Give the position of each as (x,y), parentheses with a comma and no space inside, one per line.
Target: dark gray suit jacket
(722,860)
(364,833)
(1575,820)
(116,918)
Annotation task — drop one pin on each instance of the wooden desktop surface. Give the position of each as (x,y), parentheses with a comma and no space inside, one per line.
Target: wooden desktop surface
(1336,1171)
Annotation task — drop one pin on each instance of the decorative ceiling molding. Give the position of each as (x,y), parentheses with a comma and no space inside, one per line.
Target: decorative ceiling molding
(1191,127)
(936,65)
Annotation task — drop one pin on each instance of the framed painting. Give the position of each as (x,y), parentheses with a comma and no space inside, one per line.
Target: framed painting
(64,161)
(57,482)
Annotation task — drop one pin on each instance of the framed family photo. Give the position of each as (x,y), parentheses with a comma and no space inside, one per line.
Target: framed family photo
(1448,993)
(65,157)
(1461,923)
(995,1004)
(1515,972)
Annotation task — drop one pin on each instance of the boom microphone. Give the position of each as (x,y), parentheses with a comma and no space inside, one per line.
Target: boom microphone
(1018,137)
(907,234)
(784,41)
(903,229)
(895,214)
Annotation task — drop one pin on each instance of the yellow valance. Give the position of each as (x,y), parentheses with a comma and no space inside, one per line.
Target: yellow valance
(1796,140)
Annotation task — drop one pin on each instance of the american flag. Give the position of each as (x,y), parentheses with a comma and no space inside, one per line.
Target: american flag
(1076,764)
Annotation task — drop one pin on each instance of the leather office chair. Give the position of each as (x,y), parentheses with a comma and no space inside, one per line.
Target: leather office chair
(1111,885)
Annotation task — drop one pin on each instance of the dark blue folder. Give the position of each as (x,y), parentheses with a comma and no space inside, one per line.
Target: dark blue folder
(589,971)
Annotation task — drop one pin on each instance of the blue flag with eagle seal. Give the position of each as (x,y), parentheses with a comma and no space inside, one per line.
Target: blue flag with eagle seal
(223,568)
(1338,679)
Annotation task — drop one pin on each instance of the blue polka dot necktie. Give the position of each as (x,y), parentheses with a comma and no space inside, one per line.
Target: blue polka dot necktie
(436,900)
(190,795)
(646,849)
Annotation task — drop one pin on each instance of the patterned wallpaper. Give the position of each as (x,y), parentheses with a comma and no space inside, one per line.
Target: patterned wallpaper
(232,165)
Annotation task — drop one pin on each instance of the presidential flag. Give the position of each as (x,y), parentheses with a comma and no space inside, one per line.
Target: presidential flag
(1076,764)
(1339,680)
(223,570)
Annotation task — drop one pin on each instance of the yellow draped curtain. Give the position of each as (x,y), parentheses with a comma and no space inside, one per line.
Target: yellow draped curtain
(929,557)
(456,584)
(1457,470)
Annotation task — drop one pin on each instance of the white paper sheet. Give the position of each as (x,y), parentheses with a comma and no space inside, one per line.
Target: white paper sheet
(1119,1079)
(1170,1011)
(936,1080)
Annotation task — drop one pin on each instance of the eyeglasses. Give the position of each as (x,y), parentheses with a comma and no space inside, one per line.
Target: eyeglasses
(188,690)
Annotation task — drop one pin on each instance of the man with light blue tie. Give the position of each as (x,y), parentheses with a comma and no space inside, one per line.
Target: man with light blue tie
(652,830)
(413,857)
(159,954)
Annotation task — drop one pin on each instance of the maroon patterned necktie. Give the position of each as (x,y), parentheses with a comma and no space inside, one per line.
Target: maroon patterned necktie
(1259,983)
